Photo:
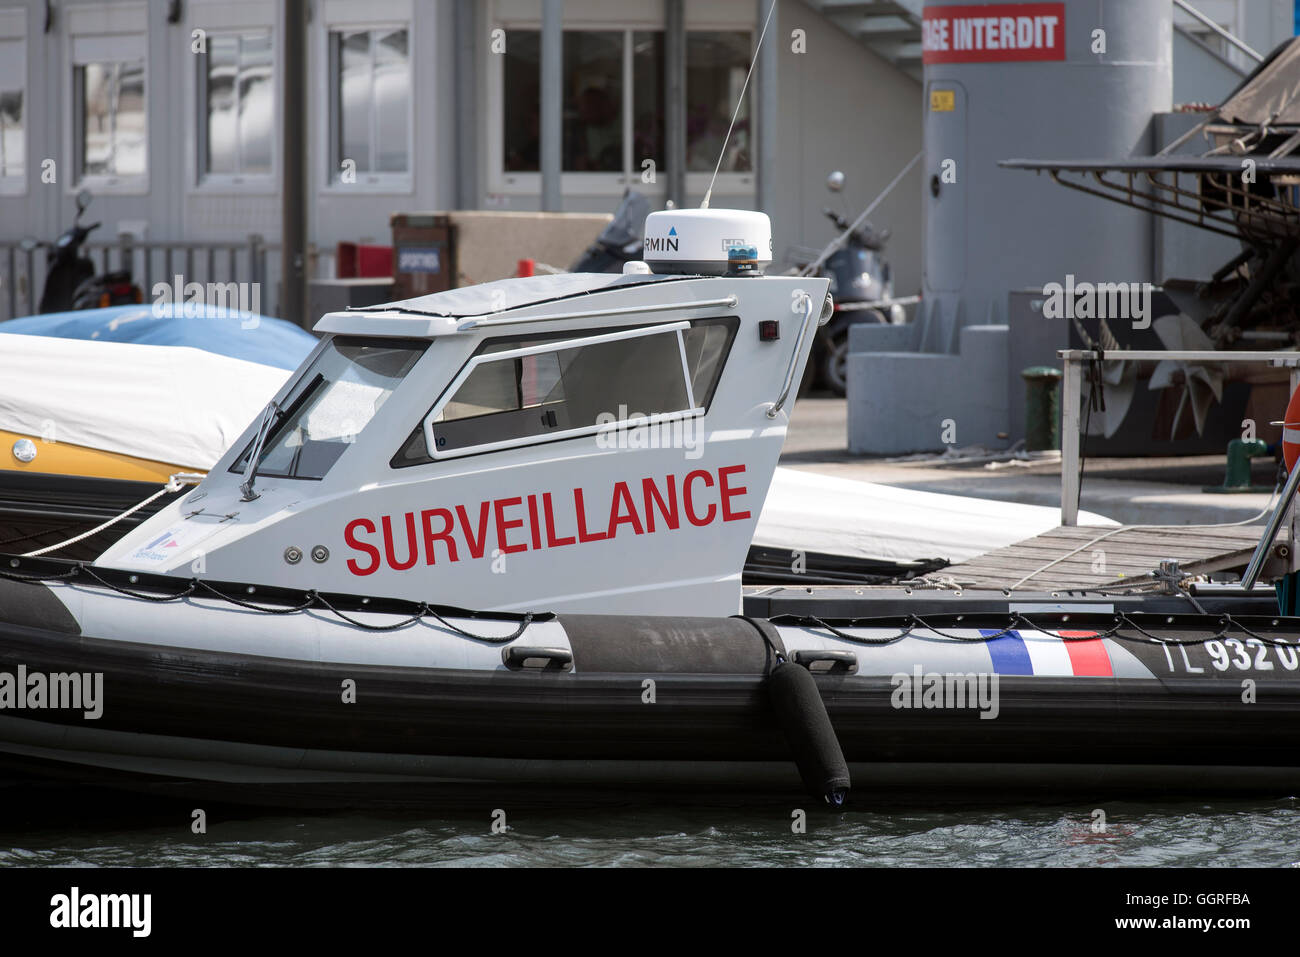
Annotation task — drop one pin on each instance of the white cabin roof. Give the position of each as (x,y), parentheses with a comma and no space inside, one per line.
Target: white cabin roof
(484,299)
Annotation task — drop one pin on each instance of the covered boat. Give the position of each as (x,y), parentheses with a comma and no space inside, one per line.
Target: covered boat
(100,407)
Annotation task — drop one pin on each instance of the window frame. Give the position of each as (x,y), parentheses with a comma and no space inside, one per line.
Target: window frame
(482,358)
(137,45)
(234,182)
(516,182)
(697,181)
(512,183)
(13,30)
(401,183)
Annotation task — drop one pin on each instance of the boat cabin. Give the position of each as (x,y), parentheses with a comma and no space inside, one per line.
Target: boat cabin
(576,442)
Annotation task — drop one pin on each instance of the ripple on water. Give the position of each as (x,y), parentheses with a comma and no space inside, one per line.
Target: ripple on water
(1226,833)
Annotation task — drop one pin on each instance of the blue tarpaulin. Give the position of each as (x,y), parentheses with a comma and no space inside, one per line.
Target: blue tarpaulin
(247,336)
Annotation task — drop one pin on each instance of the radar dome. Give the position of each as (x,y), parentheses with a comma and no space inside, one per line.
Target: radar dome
(699,241)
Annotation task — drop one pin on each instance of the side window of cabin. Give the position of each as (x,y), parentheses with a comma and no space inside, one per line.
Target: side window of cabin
(707,345)
(522,390)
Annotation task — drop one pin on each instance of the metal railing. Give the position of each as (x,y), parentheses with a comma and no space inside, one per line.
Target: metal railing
(23,271)
(1240,44)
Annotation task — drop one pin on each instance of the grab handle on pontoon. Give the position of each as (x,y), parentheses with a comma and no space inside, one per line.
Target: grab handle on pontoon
(523,657)
(809,311)
(826,660)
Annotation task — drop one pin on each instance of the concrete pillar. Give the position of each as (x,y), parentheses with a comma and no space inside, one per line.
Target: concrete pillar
(765,75)
(466,45)
(294,178)
(675,99)
(552,103)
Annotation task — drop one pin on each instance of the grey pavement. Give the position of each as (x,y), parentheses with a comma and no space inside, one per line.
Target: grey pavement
(1134,491)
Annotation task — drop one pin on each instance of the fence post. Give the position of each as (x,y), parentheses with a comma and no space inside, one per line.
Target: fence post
(256,255)
(12,279)
(1071,392)
(257,264)
(126,253)
(33,300)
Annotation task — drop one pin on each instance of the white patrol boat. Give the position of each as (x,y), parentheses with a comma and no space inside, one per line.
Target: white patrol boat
(494,537)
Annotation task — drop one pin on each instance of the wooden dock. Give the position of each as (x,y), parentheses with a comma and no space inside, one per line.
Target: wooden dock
(1123,558)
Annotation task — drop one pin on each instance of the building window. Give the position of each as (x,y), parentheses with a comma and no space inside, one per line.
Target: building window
(521,114)
(593,102)
(613,88)
(647,99)
(609,125)
(13,144)
(716,64)
(370,108)
(110,122)
(236,88)
(13,121)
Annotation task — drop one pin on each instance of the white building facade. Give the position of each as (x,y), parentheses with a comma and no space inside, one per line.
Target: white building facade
(169,112)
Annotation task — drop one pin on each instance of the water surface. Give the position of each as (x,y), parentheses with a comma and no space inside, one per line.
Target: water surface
(68,831)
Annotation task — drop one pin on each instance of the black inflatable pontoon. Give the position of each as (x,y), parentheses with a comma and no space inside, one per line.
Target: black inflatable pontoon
(288,693)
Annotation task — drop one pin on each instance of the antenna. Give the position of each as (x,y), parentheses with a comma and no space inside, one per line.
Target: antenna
(739,103)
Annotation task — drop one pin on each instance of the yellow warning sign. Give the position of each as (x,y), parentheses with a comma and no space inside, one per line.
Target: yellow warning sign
(942,101)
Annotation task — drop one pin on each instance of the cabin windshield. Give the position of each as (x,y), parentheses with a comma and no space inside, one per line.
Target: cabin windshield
(332,401)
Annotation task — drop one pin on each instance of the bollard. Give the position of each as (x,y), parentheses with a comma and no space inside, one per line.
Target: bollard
(1042,408)
(1237,476)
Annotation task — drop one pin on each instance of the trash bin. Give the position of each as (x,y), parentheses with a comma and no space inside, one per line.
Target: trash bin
(1042,408)
(424,254)
(340,295)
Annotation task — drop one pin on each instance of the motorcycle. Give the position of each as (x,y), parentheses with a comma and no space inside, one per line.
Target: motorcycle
(619,242)
(861,280)
(70,280)
(862,285)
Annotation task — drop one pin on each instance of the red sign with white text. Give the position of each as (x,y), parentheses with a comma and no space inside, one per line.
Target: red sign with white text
(996,32)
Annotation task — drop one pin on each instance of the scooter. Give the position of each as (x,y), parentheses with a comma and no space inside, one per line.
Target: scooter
(862,285)
(619,242)
(70,281)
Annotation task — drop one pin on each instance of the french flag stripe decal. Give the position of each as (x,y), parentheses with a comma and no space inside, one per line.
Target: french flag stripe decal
(1046,655)
(1088,657)
(1010,657)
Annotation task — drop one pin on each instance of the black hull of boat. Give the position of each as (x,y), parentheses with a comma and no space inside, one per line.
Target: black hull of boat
(272,730)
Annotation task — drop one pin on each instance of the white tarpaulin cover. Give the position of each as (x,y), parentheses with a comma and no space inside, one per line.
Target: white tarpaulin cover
(837,516)
(177,405)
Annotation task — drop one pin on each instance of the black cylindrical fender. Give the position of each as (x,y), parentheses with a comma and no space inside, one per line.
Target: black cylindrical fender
(792,692)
